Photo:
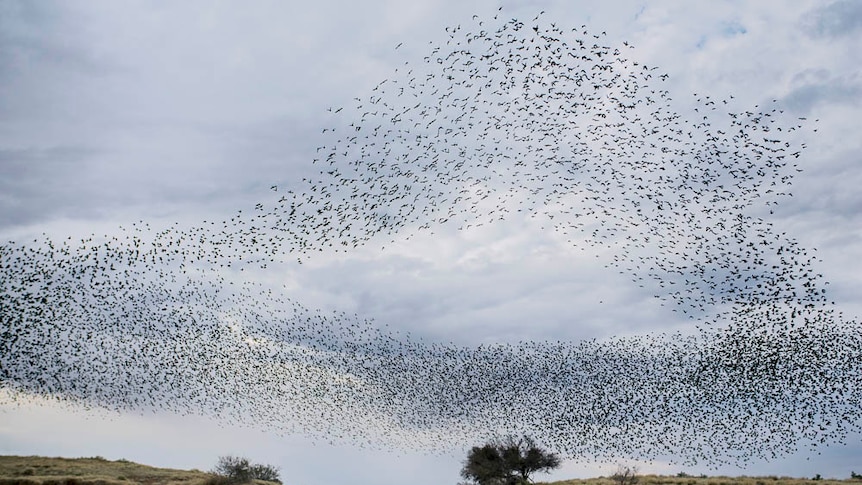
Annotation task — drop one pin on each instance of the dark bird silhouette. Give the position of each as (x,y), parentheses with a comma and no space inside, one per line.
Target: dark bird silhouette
(503,119)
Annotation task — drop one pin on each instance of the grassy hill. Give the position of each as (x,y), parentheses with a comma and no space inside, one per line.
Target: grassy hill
(692,480)
(37,470)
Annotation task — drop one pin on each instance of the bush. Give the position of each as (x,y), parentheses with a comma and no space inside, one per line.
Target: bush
(236,470)
(626,475)
(265,472)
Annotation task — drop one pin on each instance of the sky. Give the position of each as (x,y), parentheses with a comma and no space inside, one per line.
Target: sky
(117,112)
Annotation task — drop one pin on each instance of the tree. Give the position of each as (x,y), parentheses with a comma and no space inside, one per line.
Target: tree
(236,469)
(509,461)
(265,472)
(625,475)
(239,470)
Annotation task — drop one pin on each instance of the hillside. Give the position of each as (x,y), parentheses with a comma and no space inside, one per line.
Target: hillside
(718,480)
(37,470)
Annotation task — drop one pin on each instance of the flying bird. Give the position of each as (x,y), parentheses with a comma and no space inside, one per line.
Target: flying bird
(530,120)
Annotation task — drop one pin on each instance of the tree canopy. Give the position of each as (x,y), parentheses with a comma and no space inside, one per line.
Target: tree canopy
(508,461)
(238,470)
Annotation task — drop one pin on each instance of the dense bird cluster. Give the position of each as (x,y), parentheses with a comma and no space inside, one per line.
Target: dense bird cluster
(502,119)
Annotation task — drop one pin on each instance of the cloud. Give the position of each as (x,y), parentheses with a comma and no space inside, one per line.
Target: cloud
(484,285)
(35,34)
(35,184)
(194,108)
(837,19)
(816,87)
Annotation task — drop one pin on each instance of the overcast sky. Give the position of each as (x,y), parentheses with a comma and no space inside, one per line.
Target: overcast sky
(114,112)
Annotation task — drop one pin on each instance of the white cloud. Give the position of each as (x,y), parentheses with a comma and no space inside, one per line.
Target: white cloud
(120,112)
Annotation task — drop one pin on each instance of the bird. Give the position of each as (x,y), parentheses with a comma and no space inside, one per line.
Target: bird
(535,121)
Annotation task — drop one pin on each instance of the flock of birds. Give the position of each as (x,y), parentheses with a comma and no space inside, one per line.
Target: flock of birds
(502,119)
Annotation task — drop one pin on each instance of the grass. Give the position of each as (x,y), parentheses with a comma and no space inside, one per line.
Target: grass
(37,470)
(693,480)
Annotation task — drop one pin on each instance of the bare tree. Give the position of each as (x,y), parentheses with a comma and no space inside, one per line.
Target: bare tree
(625,475)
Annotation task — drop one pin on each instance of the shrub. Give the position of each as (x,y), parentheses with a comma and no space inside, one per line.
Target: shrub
(237,470)
(265,472)
(625,475)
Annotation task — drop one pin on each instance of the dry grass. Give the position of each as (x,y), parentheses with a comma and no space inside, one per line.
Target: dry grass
(687,480)
(37,470)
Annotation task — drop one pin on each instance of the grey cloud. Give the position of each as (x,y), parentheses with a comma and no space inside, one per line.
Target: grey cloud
(836,19)
(38,31)
(34,183)
(815,87)
(195,129)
